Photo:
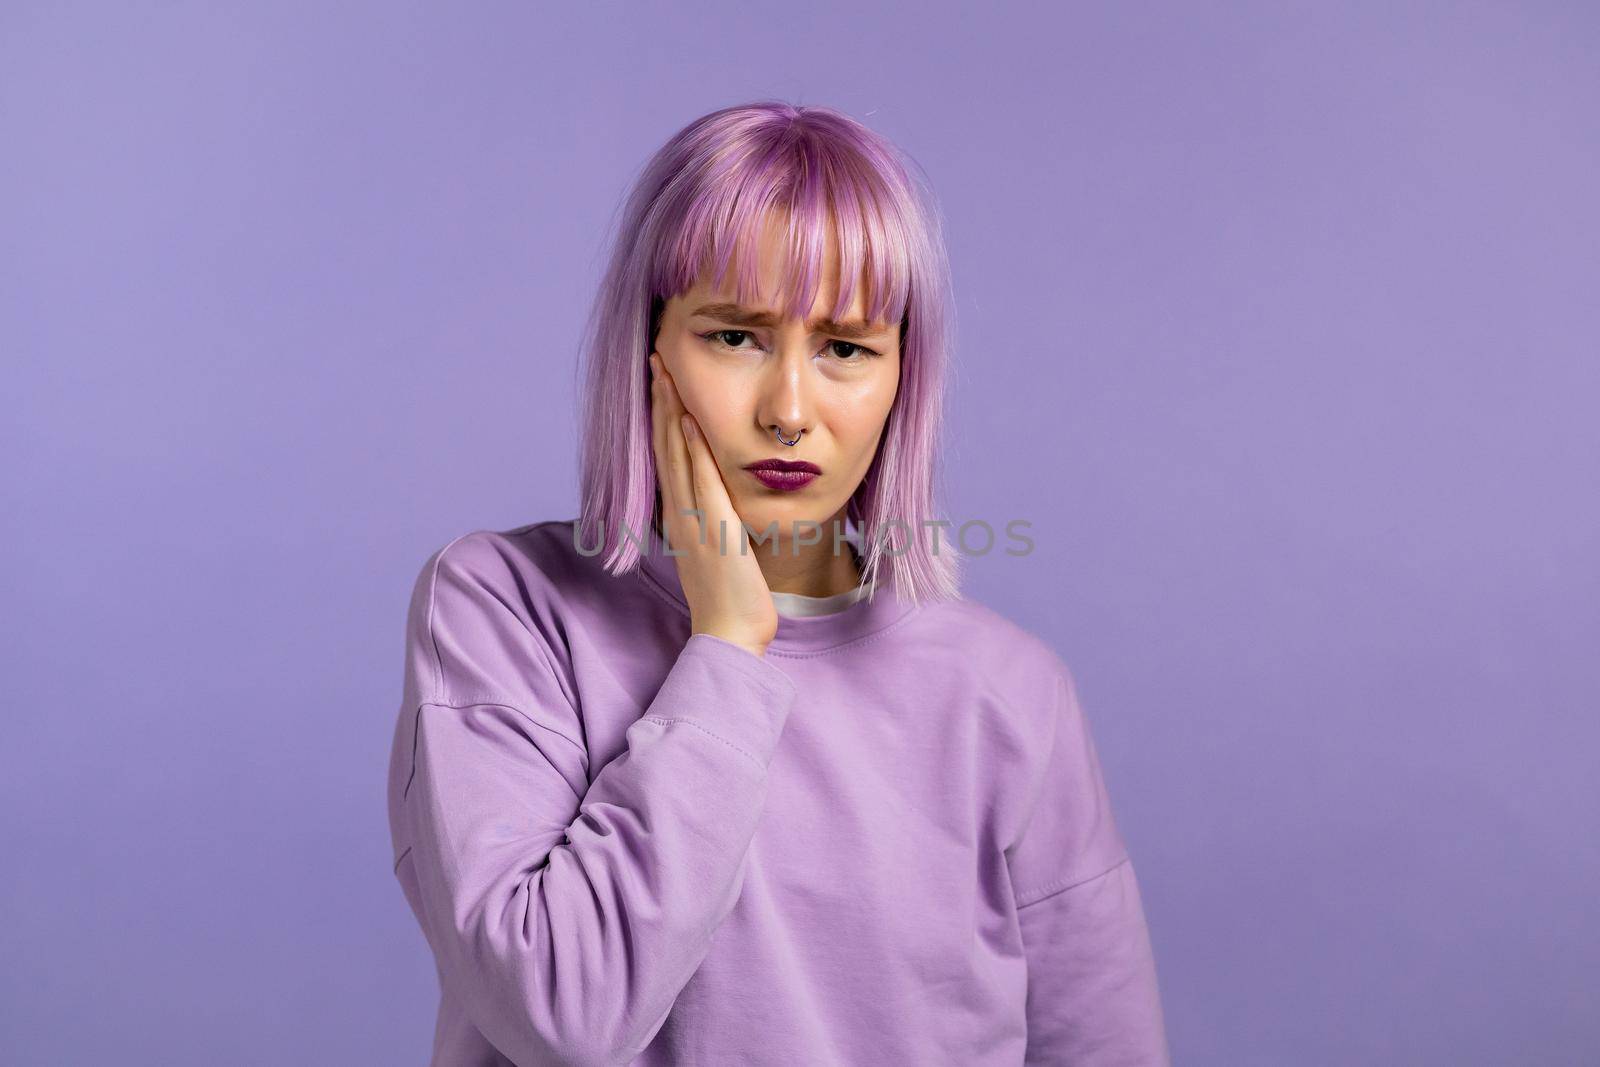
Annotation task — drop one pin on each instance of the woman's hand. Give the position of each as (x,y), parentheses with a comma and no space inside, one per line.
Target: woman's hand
(727,593)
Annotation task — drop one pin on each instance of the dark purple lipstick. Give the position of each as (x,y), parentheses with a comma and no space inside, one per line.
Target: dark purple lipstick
(784,474)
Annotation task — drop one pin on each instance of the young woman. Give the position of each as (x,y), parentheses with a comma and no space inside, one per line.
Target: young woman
(726,770)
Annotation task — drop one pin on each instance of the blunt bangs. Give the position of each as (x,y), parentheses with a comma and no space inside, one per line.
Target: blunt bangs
(823,198)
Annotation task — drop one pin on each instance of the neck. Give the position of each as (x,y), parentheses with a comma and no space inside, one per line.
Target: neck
(810,569)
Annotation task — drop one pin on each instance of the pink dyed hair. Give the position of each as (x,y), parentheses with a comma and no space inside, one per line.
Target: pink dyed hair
(700,203)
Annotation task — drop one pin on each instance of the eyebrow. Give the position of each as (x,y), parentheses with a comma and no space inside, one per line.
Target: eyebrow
(743,316)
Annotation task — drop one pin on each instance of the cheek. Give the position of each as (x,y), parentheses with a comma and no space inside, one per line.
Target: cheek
(720,407)
(715,404)
(858,428)
(863,417)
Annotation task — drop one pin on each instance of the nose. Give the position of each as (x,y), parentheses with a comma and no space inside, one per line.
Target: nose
(785,407)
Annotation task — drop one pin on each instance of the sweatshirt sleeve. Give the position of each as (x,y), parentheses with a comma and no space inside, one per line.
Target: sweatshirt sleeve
(566,915)
(1093,998)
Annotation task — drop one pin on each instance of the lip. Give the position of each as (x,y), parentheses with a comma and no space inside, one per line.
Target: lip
(783,465)
(784,474)
(788,481)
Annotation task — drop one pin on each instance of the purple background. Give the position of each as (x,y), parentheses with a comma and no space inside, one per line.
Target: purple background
(1279,325)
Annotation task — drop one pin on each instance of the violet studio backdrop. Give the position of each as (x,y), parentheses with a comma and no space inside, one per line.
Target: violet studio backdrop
(1277,323)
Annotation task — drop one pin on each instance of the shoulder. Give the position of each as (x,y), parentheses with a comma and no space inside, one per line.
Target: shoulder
(486,611)
(541,550)
(993,639)
(1017,665)
(537,564)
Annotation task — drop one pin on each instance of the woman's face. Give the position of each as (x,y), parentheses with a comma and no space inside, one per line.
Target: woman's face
(741,371)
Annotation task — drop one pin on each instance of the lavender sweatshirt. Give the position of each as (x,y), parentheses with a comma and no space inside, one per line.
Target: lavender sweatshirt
(887,841)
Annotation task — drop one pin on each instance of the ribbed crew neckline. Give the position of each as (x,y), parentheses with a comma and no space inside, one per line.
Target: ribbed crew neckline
(796,634)
(802,604)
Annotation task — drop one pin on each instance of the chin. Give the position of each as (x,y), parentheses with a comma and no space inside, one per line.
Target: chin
(788,516)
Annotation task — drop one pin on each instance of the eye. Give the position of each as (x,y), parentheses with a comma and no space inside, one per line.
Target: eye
(860,354)
(718,337)
(847,351)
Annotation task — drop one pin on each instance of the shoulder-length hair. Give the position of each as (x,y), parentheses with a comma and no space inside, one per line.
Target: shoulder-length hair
(700,204)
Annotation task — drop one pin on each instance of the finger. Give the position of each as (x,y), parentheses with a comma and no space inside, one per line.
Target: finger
(679,471)
(722,522)
(658,442)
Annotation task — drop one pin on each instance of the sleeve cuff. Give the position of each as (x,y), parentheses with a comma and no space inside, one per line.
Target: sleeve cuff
(728,691)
